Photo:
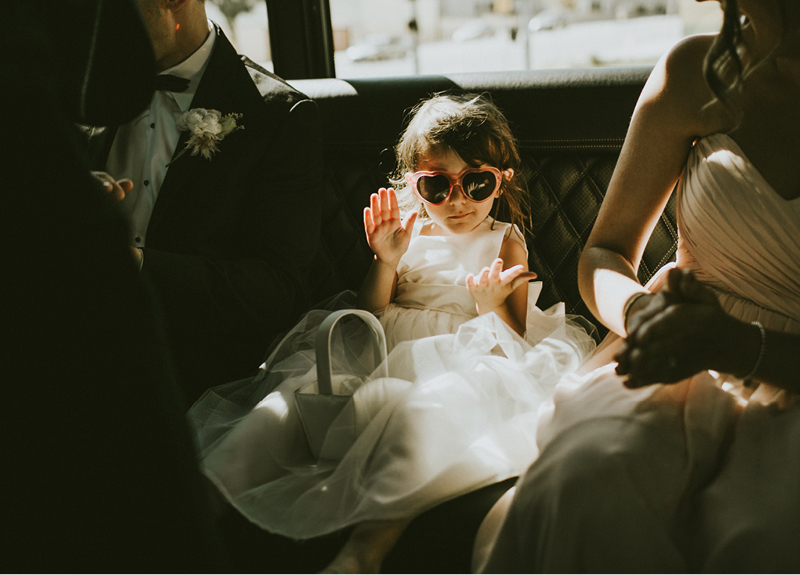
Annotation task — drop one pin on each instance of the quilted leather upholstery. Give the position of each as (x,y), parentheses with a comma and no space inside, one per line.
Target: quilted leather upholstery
(570,126)
(566,192)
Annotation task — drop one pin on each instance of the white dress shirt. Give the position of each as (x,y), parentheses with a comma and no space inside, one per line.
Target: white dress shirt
(143,147)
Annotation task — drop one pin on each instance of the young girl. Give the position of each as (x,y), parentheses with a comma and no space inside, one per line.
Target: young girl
(471,357)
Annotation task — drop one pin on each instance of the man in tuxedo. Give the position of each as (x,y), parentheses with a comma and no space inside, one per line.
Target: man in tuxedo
(99,470)
(226,240)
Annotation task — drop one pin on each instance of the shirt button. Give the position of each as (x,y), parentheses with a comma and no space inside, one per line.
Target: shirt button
(147,182)
(138,239)
(153,125)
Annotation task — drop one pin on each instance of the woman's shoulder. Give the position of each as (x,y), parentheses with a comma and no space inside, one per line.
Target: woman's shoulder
(692,49)
(678,87)
(683,67)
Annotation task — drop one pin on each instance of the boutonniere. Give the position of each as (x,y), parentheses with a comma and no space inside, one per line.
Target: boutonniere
(208,128)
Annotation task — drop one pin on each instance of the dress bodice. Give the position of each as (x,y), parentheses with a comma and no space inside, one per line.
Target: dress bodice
(433,272)
(739,236)
(432,296)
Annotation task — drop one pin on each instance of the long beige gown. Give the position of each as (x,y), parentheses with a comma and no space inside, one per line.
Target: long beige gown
(695,476)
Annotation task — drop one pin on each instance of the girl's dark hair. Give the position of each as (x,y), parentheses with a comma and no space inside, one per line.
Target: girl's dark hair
(723,67)
(472,126)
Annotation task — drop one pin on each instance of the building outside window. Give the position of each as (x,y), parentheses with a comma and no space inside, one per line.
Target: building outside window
(374,38)
(404,37)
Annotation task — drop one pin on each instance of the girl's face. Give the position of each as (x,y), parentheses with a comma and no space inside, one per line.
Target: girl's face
(457,214)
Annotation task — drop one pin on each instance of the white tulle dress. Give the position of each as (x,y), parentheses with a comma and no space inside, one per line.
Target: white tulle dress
(457,412)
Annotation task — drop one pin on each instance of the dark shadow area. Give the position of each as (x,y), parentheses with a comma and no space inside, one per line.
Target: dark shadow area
(438,541)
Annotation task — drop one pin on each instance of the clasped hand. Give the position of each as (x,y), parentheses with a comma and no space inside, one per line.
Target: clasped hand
(677,334)
(387,235)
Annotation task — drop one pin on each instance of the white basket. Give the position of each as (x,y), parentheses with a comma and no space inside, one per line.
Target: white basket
(317,404)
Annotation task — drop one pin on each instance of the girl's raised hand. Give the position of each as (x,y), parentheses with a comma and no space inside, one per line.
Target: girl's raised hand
(387,236)
(493,285)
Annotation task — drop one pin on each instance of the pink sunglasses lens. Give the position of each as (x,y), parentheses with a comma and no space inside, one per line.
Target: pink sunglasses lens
(478,186)
(433,189)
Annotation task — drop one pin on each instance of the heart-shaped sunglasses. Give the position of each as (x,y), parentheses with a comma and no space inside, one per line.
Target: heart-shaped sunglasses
(477,184)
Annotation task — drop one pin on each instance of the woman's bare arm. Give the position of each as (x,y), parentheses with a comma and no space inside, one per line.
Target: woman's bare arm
(668,117)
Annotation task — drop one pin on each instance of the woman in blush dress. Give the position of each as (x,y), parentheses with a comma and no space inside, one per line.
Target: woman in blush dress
(682,455)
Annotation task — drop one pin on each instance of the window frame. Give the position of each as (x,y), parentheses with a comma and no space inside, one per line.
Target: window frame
(301,38)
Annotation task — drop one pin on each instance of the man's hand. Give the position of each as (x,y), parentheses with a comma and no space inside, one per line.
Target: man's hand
(492,286)
(137,256)
(119,189)
(676,335)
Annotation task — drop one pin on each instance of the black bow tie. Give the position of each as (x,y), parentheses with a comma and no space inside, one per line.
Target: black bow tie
(170,83)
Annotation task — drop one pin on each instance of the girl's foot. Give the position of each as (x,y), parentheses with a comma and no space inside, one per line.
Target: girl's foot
(367,546)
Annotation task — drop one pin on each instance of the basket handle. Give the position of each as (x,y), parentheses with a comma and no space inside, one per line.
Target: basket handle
(323,345)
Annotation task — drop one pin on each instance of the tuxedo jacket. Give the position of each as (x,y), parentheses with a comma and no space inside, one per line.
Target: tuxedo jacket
(100,473)
(231,239)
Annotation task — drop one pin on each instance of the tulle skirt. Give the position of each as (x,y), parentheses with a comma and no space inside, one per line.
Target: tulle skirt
(458,411)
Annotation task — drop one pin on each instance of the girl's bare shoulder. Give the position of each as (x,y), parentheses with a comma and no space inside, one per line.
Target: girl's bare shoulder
(512,250)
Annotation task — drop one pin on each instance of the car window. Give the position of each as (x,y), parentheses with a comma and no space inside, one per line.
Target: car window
(404,37)
(245,24)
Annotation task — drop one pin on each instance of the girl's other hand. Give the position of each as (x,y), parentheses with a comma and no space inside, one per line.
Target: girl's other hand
(492,286)
(387,236)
